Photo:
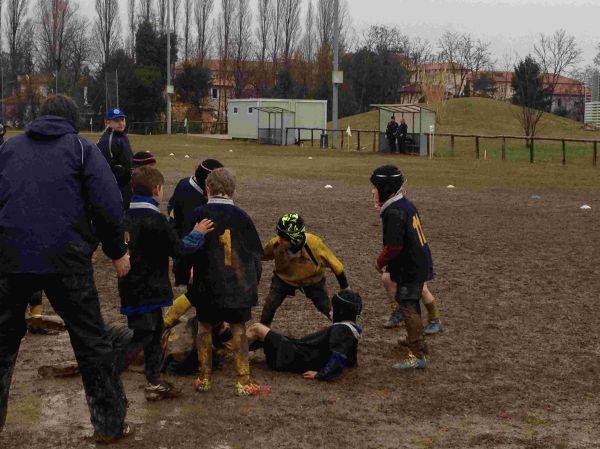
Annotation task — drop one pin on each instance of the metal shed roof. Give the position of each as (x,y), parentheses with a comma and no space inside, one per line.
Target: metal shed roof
(406,108)
(273,110)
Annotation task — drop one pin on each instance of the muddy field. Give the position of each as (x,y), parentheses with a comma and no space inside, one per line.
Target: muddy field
(517,366)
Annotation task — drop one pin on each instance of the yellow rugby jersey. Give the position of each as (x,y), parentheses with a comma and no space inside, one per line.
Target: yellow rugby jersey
(306,268)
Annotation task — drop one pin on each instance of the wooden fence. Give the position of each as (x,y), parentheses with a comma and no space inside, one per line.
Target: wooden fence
(529,141)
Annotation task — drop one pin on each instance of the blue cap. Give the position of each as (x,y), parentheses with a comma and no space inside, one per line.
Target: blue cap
(115,113)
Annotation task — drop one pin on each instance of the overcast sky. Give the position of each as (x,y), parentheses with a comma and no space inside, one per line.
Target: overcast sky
(505,23)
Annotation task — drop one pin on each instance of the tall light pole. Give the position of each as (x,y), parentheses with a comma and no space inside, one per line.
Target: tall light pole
(169,87)
(335,77)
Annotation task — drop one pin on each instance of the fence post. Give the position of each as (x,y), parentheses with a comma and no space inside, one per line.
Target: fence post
(312,137)
(504,148)
(342,139)
(428,145)
(595,160)
(531,150)
(477,147)
(358,142)
(564,153)
(374,142)
(452,144)
(298,136)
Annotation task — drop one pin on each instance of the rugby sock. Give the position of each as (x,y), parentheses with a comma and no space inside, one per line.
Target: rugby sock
(204,345)
(433,311)
(180,306)
(240,356)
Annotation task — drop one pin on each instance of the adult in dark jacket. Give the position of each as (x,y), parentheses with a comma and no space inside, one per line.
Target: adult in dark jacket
(402,133)
(391,133)
(116,148)
(57,197)
(2,132)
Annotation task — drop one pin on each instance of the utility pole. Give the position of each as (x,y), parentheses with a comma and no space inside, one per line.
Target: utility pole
(169,87)
(336,81)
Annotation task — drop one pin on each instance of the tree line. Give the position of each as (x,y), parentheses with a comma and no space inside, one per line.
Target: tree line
(267,48)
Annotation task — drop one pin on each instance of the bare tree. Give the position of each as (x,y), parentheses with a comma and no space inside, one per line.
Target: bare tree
(556,54)
(187,28)
(16,33)
(263,29)
(161,14)
(382,37)
(242,44)
(175,8)
(464,55)
(276,26)
(325,15)
(507,63)
(79,50)
(146,11)
(224,40)
(290,27)
(106,26)
(309,41)
(417,53)
(131,26)
(203,12)
(55,33)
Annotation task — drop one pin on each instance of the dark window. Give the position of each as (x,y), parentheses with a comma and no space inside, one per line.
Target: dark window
(250,110)
(215,93)
(235,110)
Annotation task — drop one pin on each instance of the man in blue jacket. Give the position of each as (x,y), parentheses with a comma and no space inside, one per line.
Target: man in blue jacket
(116,148)
(57,198)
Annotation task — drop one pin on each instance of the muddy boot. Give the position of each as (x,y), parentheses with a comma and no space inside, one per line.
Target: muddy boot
(204,345)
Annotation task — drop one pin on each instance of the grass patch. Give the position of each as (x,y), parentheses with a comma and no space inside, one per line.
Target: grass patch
(26,411)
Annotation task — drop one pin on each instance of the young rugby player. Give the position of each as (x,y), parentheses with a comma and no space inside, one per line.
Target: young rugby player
(321,355)
(226,275)
(406,255)
(300,262)
(147,288)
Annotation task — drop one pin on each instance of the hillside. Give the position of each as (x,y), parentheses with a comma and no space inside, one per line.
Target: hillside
(482,116)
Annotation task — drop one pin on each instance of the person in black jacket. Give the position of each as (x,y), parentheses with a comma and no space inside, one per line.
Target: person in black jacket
(147,288)
(391,133)
(51,216)
(322,355)
(116,148)
(2,132)
(402,134)
(226,275)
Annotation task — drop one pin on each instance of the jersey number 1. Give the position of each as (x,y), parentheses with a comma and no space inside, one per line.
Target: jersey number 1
(417,226)
(225,240)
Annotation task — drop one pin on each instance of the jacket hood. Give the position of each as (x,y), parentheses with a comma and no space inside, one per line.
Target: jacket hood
(50,127)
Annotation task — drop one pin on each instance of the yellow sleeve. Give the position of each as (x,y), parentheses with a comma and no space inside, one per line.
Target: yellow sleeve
(179,307)
(330,260)
(269,249)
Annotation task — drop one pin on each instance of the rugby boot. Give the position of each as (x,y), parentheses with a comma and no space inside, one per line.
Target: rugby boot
(411,362)
(250,389)
(161,390)
(394,320)
(111,439)
(433,327)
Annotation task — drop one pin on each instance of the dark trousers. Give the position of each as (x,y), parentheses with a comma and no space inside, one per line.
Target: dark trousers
(402,144)
(280,290)
(408,296)
(147,335)
(75,300)
(392,144)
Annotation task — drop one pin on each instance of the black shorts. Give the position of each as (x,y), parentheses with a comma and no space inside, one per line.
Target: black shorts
(271,347)
(213,315)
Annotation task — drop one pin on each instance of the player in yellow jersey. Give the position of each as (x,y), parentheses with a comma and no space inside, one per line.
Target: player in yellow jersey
(301,259)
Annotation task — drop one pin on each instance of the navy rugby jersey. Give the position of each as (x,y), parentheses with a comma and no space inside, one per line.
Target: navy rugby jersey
(402,228)
(228,268)
(187,196)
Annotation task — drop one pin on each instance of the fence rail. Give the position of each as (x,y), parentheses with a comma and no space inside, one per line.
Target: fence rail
(298,134)
(529,142)
(191,127)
